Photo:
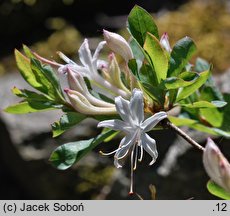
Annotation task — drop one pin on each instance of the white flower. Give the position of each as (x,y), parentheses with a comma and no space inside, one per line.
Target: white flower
(216,165)
(89,69)
(135,128)
(90,63)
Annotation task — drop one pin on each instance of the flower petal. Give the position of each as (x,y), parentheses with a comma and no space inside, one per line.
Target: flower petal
(85,54)
(65,58)
(137,106)
(76,69)
(123,109)
(149,146)
(124,148)
(97,51)
(115,124)
(152,121)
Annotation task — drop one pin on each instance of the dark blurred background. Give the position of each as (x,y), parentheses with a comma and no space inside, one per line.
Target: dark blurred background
(26,140)
(28,21)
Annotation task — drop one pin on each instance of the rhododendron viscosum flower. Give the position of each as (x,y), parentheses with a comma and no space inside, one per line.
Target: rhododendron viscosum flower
(135,128)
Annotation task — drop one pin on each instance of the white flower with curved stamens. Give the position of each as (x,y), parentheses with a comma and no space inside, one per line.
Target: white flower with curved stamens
(216,165)
(135,128)
(89,69)
(89,62)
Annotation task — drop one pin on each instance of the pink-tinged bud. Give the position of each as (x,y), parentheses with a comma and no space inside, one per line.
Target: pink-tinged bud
(76,82)
(118,45)
(164,41)
(115,73)
(216,165)
(66,90)
(73,81)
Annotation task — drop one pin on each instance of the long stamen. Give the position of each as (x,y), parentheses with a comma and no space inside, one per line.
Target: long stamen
(119,158)
(65,58)
(135,161)
(131,174)
(141,156)
(109,153)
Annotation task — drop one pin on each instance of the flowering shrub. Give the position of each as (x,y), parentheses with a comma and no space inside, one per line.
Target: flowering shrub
(155,85)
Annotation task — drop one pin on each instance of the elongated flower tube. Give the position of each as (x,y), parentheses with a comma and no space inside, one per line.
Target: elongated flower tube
(81,104)
(113,73)
(216,165)
(77,83)
(118,45)
(135,128)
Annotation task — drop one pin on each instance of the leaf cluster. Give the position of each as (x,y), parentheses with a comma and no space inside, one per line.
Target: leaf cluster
(169,79)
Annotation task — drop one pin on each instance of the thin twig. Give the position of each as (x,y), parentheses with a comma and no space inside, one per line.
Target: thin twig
(183,134)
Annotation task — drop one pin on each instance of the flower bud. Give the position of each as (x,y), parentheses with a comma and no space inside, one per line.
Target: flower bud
(115,73)
(164,41)
(216,165)
(81,104)
(118,45)
(73,81)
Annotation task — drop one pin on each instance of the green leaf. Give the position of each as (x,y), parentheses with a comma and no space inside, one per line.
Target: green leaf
(181,121)
(175,83)
(180,55)
(137,50)
(225,115)
(172,94)
(213,116)
(67,121)
(30,95)
(24,67)
(188,90)
(194,124)
(205,104)
(201,65)
(218,191)
(48,79)
(157,56)
(205,129)
(38,76)
(157,94)
(68,154)
(134,68)
(210,91)
(188,76)
(146,75)
(28,52)
(139,23)
(28,107)
(112,136)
